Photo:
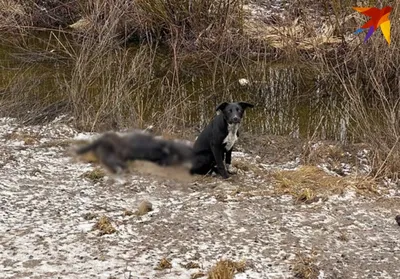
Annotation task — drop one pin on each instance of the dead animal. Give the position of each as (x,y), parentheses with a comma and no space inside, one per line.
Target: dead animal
(114,150)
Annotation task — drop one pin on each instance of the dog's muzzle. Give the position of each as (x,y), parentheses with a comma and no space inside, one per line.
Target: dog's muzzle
(234,120)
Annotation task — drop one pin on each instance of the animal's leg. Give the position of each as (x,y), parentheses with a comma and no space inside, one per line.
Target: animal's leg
(219,159)
(111,160)
(228,161)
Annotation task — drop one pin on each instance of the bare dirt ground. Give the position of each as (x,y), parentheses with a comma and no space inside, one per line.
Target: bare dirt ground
(50,202)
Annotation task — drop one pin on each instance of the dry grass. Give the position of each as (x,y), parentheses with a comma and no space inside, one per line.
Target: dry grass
(308,183)
(304,267)
(106,85)
(112,87)
(368,76)
(164,264)
(314,152)
(226,269)
(95,175)
(10,14)
(104,226)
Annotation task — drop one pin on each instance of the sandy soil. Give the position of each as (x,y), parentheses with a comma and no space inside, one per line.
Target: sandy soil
(46,201)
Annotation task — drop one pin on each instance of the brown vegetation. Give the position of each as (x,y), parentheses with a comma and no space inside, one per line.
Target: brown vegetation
(95,175)
(164,264)
(310,183)
(104,226)
(122,59)
(369,80)
(226,269)
(304,267)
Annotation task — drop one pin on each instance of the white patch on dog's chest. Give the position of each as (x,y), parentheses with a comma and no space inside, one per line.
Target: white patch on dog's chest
(232,137)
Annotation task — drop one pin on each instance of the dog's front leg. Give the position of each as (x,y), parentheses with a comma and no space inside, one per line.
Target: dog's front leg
(219,160)
(228,162)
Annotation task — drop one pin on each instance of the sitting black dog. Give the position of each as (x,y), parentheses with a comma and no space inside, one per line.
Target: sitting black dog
(216,141)
(114,151)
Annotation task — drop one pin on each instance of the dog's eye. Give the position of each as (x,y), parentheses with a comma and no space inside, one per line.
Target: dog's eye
(230,110)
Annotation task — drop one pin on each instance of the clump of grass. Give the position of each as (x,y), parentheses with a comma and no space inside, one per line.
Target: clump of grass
(304,267)
(95,175)
(104,226)
(306,179)
(307,183)
(164,264)
(226,269)
(222,270)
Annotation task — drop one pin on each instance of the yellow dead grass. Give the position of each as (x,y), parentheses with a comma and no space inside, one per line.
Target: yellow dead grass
(296,34)
(304,267)
(164,264)
(226,269)
(309,182)
(104,226)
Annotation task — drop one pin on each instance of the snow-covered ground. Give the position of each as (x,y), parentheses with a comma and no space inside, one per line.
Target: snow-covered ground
(44,233)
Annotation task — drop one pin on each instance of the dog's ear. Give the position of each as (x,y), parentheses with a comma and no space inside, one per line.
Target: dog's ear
(245,105)
(222,106)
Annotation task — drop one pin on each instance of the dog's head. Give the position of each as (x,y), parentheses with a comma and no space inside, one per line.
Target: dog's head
(233,112)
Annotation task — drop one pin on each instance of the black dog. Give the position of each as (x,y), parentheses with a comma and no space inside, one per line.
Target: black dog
(115,151)
(216,141)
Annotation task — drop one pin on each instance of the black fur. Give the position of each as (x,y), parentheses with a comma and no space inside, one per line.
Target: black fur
(115,151)
(209,148)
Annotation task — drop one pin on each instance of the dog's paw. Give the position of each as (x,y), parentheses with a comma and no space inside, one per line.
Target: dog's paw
(225,176)
(231,169)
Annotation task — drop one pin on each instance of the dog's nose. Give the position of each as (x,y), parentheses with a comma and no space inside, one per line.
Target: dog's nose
(236,119)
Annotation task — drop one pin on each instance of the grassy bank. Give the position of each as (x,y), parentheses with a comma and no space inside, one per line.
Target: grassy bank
(369,79)
(105,83)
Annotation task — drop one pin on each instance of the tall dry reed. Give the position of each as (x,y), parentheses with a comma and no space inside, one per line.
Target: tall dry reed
(369,77)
